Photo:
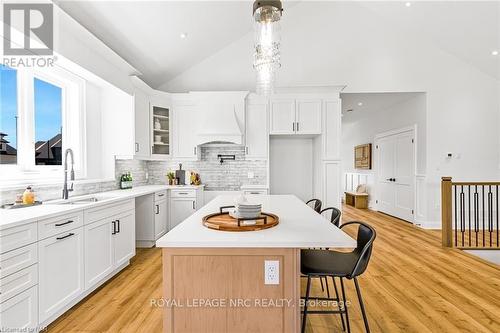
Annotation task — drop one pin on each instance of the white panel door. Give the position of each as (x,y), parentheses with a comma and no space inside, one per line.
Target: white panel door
(61,271)
(256,132)
(331,129)
(142,140)
(161,215)
(308,116)
(404,170)
(180,209)
(98,251)
(386,151)
(20,313)
(395,175)
(186,132)
(124,239)
(282,116)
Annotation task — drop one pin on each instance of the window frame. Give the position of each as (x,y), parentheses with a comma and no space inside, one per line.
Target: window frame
(72,121)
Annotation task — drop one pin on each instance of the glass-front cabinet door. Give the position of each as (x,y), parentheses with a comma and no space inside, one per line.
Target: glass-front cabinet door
(160,131)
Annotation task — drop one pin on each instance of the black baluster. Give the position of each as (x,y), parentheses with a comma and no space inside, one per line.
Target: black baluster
(456,228)
(469,218)
(490,214)
(462,214)
(484,235)
(476,213)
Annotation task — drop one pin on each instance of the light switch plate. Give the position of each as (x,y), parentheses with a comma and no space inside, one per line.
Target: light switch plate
(271,272)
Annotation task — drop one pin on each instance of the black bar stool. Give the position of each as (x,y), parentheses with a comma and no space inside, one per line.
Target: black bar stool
(349,265)
(335,215)
(315,204)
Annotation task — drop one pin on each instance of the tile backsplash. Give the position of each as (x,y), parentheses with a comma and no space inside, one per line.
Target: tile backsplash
(228,176)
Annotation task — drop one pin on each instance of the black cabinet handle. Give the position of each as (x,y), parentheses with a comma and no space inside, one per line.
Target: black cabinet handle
(136,147)
(183,193)
(63,237)
(61,224)
(293,126)
(157,209)
(118,222)
(114,227)
(161,194)
(297,126)
(194,205)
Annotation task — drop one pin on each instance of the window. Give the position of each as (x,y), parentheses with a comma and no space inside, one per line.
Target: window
(48,123)
(8,115)
(42,114)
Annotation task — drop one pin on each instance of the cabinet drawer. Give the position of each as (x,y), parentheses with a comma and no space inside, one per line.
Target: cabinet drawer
(260,192)
(19,236)
(160,195)
(58,224)
(183,194)
(99,213)
(18,259)
(18,282)
(20,313)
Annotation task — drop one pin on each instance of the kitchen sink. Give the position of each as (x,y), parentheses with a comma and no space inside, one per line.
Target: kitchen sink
(75,201)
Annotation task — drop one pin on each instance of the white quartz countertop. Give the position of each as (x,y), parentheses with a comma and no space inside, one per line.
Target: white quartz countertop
(299,227)
(12,217)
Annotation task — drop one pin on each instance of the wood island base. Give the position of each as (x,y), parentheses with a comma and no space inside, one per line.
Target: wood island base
(222,290)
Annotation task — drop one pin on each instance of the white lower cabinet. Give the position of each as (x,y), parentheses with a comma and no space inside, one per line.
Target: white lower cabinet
(61,271)
(180,209)
(109,243)
(161,220)
(98,251)
(124,238)
(20,313)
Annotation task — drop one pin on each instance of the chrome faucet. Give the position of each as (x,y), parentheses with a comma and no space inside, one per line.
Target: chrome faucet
(72,176)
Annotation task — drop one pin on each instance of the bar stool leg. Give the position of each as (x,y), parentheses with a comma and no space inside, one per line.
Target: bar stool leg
(345,306)
(327,288)
(338,300)
(361,305)
(321,281)
(304,317)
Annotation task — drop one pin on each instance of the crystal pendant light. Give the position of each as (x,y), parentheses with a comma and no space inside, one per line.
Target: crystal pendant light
(267,15)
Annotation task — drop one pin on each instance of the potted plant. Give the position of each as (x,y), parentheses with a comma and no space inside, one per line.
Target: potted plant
(171,177)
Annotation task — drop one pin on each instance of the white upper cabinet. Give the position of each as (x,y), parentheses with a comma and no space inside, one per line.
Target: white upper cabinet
(185,137)
(141,102)
(295,116)
(308,116)
(282,116)
(256,130)
(331,129)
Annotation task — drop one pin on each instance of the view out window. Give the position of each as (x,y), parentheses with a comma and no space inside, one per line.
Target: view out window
(48,123)
(8,115)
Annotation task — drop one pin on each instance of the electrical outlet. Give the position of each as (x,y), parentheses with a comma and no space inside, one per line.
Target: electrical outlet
(250,175)
(271,272)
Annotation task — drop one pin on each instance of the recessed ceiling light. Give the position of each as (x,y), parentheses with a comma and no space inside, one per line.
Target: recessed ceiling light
(494,52)
(360,104)
(183,35)
(408,4)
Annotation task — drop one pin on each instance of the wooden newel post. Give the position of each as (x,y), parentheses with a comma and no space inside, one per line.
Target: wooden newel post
(446,212)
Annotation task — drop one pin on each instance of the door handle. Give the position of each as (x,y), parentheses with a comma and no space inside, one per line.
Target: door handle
(114,227)
(63,237)
(194,205)
(157,209)
(118,222)
(61,224)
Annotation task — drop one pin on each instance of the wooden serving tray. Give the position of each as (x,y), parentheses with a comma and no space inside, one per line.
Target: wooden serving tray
(224,222)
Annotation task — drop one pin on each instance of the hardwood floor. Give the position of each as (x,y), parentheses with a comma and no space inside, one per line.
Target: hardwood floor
(411,285)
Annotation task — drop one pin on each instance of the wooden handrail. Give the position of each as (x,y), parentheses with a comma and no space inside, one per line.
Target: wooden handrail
(474,183)
(446,212)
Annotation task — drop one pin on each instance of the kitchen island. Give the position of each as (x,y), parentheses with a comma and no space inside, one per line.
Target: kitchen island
(214,281)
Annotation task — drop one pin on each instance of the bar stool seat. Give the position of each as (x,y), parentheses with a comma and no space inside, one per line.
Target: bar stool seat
(327,263)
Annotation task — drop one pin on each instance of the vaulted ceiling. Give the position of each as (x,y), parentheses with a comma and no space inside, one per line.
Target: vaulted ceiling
(148,34)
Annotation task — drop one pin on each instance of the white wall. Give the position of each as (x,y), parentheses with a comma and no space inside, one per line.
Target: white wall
(359,129)
(93,128)
(345,43)
(291,166)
